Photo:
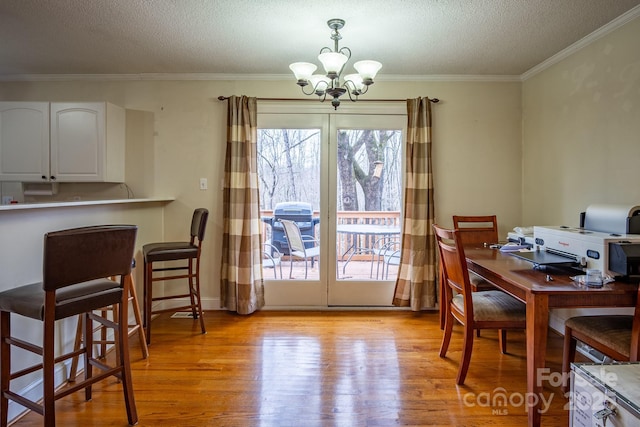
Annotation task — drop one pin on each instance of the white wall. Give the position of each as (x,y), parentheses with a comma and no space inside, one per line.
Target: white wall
(581,135)
(581,131)
(477,145)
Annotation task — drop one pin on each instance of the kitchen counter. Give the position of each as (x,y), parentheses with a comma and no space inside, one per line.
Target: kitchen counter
(80,203)
(22,230)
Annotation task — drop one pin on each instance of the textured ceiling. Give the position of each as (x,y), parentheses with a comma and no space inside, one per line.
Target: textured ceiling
(261,37)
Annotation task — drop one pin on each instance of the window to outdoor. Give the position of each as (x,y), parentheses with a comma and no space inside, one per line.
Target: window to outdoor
(369,195)
(334,182)
(289,177)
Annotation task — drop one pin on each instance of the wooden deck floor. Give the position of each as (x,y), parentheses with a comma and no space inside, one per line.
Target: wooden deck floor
(317,369)
(354,270)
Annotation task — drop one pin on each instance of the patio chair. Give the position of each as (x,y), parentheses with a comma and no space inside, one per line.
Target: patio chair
(390,256)
(272,258)
(297,247)
(381,248)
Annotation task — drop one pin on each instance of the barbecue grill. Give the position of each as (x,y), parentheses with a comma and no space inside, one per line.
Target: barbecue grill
(301,213)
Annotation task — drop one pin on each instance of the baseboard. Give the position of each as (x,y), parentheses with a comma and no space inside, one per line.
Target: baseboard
(208,304)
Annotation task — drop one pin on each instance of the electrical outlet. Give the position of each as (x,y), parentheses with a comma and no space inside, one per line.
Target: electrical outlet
(203,183)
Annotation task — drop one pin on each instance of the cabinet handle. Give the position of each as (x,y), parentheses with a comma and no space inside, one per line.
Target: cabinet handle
(53,178)
(44,177)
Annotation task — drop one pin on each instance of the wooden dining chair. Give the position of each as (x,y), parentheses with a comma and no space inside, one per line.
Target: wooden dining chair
(477,230)
(474,230)
(491,309)
(615,336)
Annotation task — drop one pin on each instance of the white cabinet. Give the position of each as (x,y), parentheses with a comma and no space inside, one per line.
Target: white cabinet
(62,142)
(24,141)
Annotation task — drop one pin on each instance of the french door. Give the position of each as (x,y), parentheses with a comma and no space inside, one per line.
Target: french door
(339,177)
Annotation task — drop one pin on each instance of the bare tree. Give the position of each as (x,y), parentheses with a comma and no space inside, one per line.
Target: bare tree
(267,167)
(288,166)
(361,161)
(368,168)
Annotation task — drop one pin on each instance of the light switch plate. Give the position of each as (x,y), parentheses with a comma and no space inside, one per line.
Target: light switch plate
(203,184)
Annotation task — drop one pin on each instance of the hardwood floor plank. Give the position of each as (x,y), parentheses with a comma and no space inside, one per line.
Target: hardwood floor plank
(315,368)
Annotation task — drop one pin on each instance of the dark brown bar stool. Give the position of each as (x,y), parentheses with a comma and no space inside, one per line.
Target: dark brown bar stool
(187,260)
(102,329)
(76,264)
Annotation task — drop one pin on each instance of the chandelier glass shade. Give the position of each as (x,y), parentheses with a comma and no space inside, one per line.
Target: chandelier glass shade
(333,61)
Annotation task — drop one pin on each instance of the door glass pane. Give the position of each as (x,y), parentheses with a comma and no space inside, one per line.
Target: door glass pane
(369,197)
(289,179)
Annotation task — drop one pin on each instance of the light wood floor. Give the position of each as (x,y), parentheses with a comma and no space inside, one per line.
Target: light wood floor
(350,368)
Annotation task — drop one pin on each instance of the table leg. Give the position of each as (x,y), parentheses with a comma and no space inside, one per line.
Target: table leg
(537,329)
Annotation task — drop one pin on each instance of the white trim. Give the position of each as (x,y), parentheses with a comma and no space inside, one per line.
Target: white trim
(449,78)
(585,41)
(242,77)
(82,203)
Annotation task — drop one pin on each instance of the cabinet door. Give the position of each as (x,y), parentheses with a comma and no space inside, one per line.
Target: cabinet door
(24,141)
(77,141)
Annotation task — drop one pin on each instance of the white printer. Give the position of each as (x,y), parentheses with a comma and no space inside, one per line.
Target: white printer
(608,240)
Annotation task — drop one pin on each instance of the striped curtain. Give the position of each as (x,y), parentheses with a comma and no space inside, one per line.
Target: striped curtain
(416,283)
(241,287)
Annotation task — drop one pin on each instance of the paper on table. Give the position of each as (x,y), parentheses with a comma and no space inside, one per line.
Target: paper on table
(510,247)
(524,231)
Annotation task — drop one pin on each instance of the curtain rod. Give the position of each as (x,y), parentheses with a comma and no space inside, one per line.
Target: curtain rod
(224,98)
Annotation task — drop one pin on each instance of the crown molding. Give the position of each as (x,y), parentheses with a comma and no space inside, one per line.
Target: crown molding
(585,41)
(134,77)
(241,77)
(449,78)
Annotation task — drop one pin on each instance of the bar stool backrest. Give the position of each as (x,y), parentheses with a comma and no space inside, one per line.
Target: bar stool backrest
(72,256)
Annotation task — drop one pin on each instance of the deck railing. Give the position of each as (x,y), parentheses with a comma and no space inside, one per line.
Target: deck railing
(343,241)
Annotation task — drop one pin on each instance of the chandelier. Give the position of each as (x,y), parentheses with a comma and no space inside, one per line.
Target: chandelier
(333,61)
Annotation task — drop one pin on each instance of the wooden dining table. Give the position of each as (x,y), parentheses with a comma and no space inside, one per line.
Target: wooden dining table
(542,290)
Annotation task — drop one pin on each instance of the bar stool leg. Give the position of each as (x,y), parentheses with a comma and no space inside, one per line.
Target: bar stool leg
(73,370)
(132,328)
(147,297)
(133,297)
